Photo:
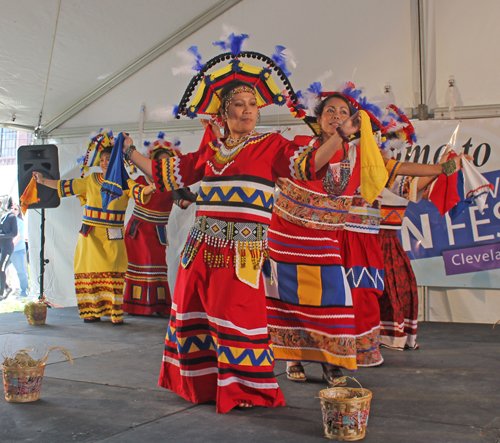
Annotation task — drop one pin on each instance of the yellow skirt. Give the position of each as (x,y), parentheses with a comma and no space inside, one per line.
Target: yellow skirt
(100,265)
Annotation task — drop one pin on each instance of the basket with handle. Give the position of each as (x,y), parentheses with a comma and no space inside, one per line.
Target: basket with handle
(345,411)
(22,385)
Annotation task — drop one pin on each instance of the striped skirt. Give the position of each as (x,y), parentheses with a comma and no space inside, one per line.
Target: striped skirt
(309,305)
(217,346)
(100,264)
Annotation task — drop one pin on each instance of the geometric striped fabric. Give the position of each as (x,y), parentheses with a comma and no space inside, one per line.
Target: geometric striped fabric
(392,216)
(146,280)
(217,346)
(311,285)
(227,195)
(100,293)
(310,313)
(396,199)
(296,244)
(146,289)
(100,258)
(311,333)
(364,217)
(148,215)
(365,277)
(88,190)
(103,217)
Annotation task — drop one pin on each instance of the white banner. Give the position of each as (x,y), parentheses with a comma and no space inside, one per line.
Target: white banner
(471,240)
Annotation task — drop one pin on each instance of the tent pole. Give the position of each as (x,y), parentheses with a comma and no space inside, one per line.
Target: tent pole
(423,111)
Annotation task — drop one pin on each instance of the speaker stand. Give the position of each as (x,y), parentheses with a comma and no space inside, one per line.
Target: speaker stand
(43,261)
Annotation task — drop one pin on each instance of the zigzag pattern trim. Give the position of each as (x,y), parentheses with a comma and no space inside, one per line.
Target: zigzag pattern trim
(177,174)
(363,277)
(294,160)
(224,353)
(266,202)
(390,213)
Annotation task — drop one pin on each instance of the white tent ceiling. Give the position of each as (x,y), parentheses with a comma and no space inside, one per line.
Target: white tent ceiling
(93,63)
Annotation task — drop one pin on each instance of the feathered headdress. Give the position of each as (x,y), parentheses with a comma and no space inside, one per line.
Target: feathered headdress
(94,147)
(309,99)
(162,144)
(397,123)
(206,85)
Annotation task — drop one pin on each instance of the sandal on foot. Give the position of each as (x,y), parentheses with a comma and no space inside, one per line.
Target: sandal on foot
(331,374)
(244,406)
(91,319)
(298,371)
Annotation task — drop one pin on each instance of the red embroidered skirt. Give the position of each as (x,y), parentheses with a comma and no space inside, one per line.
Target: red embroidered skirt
(217,345)
(146,281)
(309,303)
(399,302)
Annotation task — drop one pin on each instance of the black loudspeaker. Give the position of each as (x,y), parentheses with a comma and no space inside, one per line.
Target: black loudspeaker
(43,159)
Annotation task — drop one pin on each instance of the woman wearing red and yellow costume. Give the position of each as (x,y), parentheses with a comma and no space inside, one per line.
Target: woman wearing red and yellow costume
(327,265)
(217,345)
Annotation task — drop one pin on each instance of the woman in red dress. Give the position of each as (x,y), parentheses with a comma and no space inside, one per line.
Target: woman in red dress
(146,283)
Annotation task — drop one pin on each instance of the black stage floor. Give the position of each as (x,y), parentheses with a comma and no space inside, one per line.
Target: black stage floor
(447,391)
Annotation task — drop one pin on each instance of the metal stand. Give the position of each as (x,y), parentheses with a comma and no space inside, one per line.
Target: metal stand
(43,261)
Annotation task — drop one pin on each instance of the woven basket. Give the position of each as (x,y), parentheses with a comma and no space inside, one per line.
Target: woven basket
(38,314)
(22,385)
(345,412)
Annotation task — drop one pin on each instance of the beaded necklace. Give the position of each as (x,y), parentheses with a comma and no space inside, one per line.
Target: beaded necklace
(227,153)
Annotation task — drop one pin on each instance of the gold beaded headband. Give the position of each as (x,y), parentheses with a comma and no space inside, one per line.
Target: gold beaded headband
(233,92)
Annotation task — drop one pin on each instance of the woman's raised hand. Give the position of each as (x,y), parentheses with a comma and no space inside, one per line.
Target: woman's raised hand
(352,124)
(38,177)
(215,128)
(127,141)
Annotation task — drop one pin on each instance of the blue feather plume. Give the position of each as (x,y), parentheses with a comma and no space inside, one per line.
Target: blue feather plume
(198,66)
(233,43)
(315,88)
(280,60)
(374,109)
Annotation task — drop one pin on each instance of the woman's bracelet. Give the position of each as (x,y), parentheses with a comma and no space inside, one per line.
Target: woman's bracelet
(128,152)
(342,135)
(449,167)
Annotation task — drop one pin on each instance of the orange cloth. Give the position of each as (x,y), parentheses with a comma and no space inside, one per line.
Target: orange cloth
(30,195)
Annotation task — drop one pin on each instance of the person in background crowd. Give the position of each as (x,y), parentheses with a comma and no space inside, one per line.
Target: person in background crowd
(18,258)
(8,230)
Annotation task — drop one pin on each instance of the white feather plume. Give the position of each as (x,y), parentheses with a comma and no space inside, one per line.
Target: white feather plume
(289,57)
(188,62)
(162,114)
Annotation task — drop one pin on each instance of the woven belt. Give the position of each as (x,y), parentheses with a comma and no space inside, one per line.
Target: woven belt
(155,217)
(235,231)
